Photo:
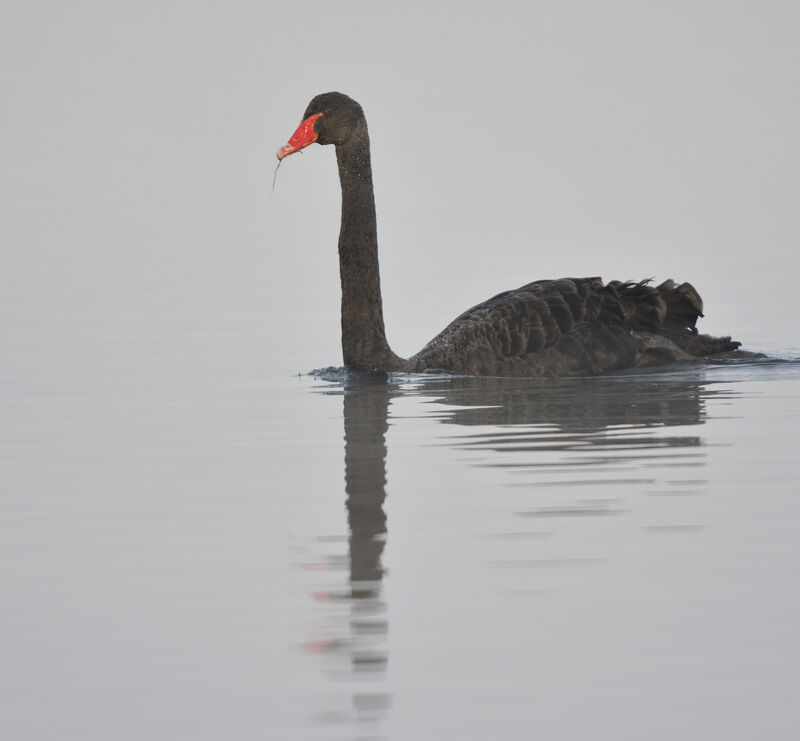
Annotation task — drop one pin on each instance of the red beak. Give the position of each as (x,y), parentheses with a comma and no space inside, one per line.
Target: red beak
(304,136)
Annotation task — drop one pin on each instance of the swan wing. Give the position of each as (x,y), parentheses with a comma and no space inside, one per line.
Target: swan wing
(571,326)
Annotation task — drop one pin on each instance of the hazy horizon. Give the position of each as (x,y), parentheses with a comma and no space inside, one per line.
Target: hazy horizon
(626,141)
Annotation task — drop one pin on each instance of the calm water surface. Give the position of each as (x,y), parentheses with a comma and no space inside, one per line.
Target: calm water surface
(199,543)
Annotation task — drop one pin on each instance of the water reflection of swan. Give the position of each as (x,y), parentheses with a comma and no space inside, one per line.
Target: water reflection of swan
(579,405)
(548,417)
(360,643)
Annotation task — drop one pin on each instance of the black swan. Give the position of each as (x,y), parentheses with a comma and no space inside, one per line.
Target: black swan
(566,327)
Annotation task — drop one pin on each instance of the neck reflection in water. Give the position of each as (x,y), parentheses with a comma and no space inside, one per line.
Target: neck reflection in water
(356,642)
(552,431)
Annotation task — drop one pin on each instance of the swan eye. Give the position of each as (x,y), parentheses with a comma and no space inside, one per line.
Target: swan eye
(326,112)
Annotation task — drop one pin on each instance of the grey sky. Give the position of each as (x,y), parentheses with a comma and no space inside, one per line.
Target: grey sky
(510,142)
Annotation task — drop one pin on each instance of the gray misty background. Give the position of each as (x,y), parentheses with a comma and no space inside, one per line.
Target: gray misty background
(510,142)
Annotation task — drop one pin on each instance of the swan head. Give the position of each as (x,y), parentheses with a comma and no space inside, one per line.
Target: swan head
(330,118)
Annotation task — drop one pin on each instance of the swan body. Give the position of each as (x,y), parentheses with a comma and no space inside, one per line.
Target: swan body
(566,327)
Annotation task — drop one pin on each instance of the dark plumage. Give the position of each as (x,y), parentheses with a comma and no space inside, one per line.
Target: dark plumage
(566,327)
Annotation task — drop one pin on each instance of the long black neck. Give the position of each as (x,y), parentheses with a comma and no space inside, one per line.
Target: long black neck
(364,344)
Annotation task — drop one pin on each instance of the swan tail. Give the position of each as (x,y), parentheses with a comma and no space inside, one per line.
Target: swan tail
(671,310)
(703,345)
